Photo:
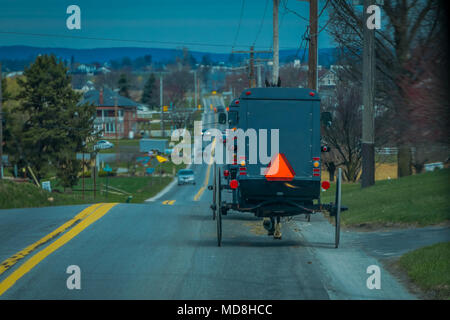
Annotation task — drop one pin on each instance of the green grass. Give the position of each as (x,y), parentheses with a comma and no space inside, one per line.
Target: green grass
(26,195)
(122,143)
(417,200)
(429,268)
(141,188)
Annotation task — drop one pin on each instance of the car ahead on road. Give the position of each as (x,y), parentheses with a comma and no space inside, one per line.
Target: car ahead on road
(186,176)
(206,133)
(103,144)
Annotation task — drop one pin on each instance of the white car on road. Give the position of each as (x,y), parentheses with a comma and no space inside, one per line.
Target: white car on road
(103,144)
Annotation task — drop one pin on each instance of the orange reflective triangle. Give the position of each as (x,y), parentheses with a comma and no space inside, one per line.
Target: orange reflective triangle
(279,169)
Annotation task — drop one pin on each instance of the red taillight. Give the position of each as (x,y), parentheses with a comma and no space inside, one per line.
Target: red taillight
(236,102)
(325,185)
(226,173)
(248,93)
(234,184)
(312,94)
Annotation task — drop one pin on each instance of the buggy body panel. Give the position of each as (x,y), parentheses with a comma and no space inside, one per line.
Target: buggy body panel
(296,114)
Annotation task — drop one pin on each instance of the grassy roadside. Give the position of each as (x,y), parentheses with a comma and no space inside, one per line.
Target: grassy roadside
(429,268)
(417,200)
(26,195)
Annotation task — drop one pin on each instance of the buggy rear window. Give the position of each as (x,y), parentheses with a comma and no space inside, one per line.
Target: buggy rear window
(233,118)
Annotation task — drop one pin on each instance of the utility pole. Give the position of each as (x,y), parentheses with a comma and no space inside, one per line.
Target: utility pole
(368,121)
(313,46)
(195,89)
(161,102)
(258,66)
(116,128)
(1,125)
(276,47)
(252,67)
(252,80)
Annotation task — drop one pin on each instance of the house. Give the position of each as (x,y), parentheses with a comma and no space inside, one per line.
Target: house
(106,101)
(88,86)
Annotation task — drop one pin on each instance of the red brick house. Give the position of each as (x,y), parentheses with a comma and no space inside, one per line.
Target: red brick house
(106,101)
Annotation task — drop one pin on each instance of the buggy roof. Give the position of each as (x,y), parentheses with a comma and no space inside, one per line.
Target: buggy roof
(275,93)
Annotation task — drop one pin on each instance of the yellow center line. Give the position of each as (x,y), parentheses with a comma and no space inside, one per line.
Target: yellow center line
(8,263)
(41,255)
(205,183)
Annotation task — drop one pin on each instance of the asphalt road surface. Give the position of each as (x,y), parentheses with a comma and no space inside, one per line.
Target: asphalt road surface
(167,249)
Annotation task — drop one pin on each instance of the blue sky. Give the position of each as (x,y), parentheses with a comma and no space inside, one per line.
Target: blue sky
(177,21)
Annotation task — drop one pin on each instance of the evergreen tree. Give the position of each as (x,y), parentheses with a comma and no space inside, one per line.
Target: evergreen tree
(123,86)
(55,128)
(5,92)
(149,92)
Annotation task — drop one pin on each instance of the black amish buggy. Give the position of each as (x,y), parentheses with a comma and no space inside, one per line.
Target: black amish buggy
(290,184)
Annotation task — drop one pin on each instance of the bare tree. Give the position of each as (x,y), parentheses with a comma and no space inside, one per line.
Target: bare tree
(409,25)
(343,135)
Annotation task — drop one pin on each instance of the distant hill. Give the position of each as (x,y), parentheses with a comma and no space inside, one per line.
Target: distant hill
(27,54)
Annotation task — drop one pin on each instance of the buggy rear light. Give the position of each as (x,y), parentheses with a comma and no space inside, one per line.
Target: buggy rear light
(248,93)
(325,149)
(316,164)
(236,102)
(312,94)
(234,184)
(226,173)
(325,185)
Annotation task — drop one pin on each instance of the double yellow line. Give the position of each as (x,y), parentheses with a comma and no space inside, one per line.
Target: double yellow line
(73,227)
(208,171)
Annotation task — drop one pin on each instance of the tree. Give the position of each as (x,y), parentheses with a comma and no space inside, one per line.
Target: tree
(54,128)
(344,134)
(5,93)
(149,94)
(124,86)
(408,25)
(237,81)
(177,84)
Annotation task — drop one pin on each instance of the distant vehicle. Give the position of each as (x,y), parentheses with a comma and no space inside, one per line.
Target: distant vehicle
(186,176)
(205,132)
(103,144)
(160,145)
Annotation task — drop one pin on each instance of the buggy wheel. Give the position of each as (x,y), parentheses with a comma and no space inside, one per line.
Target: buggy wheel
(218,208)
(337,216)
(213,206)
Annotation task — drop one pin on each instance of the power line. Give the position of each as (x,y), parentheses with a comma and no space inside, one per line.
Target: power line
(48,35)
(323,9)
(239,25)
(294,12)
(262,22)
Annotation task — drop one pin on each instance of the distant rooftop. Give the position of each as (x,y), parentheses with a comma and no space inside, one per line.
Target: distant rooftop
(109,97)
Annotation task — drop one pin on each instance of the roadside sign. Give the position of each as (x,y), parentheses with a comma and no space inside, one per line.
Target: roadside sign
(165,108)
(161,159)
(46,186)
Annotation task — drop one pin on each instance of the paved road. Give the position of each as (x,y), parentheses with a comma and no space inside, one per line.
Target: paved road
(166,249)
